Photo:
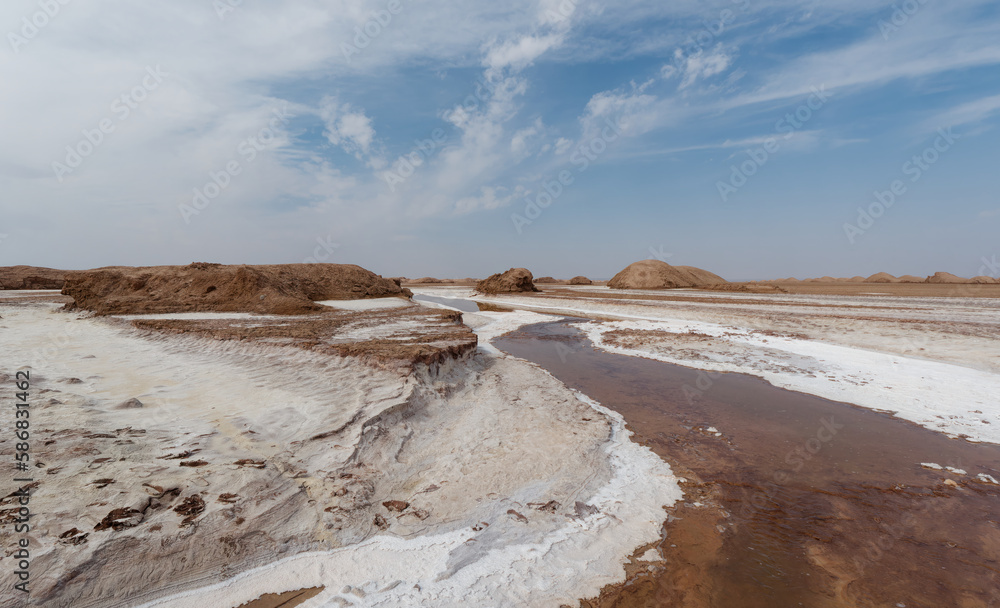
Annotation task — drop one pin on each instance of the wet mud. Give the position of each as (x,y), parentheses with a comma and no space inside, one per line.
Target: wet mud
(790,499)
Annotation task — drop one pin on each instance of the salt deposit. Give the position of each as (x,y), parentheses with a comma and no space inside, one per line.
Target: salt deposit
(292,454)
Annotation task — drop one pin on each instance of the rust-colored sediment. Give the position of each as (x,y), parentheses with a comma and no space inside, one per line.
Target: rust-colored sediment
(784,509)
(289,599)
(440,336)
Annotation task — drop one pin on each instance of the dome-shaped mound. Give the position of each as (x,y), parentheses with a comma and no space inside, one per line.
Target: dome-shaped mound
(945,277)
(881,277)
(655,274)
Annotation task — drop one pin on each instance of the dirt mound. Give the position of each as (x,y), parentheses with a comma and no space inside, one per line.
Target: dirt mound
(751,287)
(983,280)
(656,274)
(946,277)
(270,289)
(515,280)
(909,278)
(426,281)
(581,280)
(547,281)
(31,277)
(881,277)
(858,279)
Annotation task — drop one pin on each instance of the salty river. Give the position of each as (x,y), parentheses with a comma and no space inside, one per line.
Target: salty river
(790,499)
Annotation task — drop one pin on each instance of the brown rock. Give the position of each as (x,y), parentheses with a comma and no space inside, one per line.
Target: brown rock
(515,280)
(396,506)
(131,404)
(120,519)
(580,281)
(190,508)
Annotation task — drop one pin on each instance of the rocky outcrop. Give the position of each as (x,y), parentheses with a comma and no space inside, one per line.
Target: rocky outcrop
(31,277)
(200,287)
(515,280)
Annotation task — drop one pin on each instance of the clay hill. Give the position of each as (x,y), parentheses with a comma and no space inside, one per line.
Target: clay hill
(655,274)
(938,278)
(580,281)
(547,281)
(31,277)
(515,280)
(946,277)
(200,287)
(881,277)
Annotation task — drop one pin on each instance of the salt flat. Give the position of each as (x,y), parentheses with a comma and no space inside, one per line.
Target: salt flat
(934,361)
(173,466)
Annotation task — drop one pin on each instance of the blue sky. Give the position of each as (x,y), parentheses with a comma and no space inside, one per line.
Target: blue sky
(747,137)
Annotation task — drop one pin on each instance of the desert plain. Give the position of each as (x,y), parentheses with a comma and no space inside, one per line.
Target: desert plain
(318,435)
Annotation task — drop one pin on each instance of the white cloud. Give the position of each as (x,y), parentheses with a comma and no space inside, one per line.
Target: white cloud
(350,129)
(523,139)
(519,54)
(934,41)
(703,64)
(226,78)
(965,114)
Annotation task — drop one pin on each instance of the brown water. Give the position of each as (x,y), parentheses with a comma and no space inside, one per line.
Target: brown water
(289,599)
(804,501)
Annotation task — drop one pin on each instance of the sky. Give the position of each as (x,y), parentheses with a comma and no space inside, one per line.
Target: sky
(757,139)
